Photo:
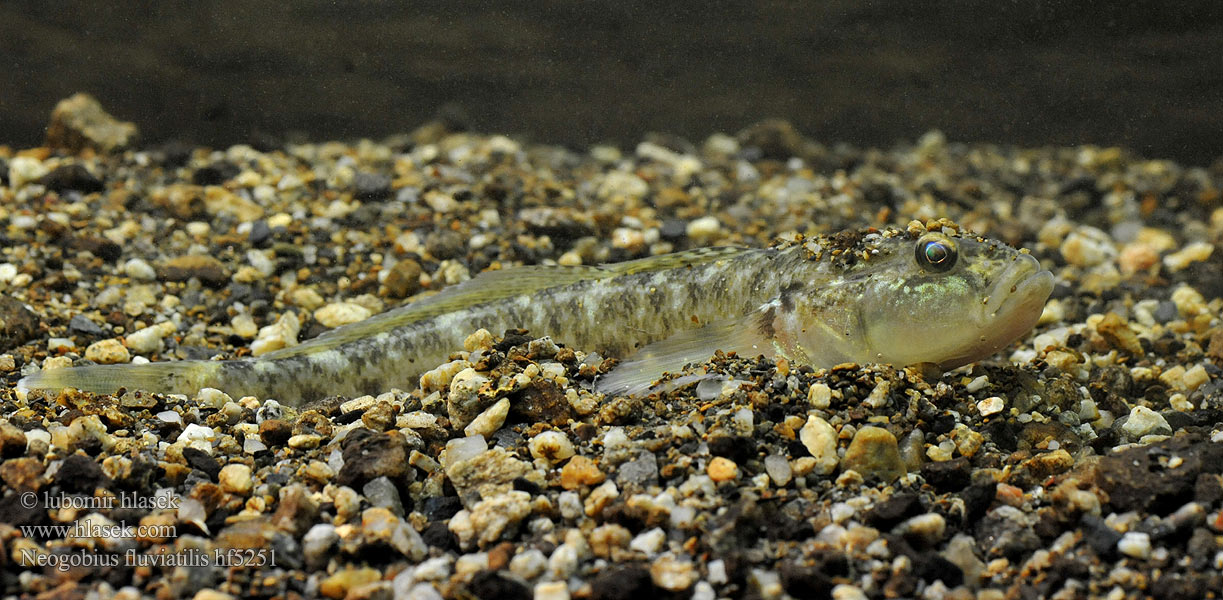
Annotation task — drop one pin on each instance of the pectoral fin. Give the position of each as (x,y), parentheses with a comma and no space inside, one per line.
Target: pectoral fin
(748,335)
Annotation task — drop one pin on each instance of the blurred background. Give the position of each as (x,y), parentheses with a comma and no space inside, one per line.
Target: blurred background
(1147,75)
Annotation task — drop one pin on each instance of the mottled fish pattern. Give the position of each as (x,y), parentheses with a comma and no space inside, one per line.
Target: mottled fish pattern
(860,296)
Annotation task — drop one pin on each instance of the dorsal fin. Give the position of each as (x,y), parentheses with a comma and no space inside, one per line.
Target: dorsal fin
(485,287)
(498,285)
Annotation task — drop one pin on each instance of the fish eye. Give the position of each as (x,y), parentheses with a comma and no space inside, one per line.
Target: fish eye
(935,252)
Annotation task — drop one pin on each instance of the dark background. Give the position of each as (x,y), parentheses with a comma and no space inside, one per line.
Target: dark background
(1142,74)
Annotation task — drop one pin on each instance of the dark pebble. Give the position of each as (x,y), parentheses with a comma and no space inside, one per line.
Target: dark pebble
(444,244)
(79,474)
(297,512)
(98,246)
(1166,311)
(511,338)
(805,582)
(275,432)
(1004,533)
(888,513)
(198,459)
(1102,538)
(622,582)
(207,269)
(72,177)
(948,476)
(403,279)
(215,174)
(18,324)
(492,585)
(260,233)
(641,472)
(18,512)
(371,186)
(673,230)
(737,448)
(3,171)
(541,401)
(773,139)
(441,508)
(369,455)
(81,325)
(1134,479)
(438,535)
(1208,488)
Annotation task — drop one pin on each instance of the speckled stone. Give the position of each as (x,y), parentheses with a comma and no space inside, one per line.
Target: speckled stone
(874,453)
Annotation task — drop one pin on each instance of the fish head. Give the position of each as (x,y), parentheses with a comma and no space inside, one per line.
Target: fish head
(946,299)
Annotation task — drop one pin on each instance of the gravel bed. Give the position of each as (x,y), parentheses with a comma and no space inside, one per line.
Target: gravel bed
(1084,462)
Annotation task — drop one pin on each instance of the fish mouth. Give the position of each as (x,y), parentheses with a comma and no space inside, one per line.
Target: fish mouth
(1009,312)
(1022,289)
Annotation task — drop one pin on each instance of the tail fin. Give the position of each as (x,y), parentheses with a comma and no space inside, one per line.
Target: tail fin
(178,377)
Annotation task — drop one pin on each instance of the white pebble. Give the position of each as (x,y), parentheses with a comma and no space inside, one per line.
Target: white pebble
(991,406)
(551,446)
(139,270)
(194,432)
(1135,545)
(149,339)
(488,422)
(649,542)
(704,229)
(819,395)
(820,440)
(1144,421)
(341,313)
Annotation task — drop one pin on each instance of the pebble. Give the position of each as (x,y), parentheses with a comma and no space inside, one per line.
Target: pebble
(463,449)
(139,270)
(281,334)
(581,471)
(551,446)
(820,440)
(80,122)
(108,352)
(529,564)
(488,422)
(649,542)
(318,542)
(23,170)
(928,528)
(339,314)
(236,478)
(207,269)
(149,339)
(1135,545)
(673,573)
(403,279)
(551,590)
(874,452)
(819,395)
(991,406)
(723,469)
(493,516)
(778,468)
(194,432)
(1144,421)
(1194,252)
(1087,247)
(704,230)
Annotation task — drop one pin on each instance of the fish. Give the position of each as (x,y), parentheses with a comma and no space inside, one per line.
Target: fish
(913,296)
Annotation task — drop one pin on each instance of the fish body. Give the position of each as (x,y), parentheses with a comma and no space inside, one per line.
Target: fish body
(864,296)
